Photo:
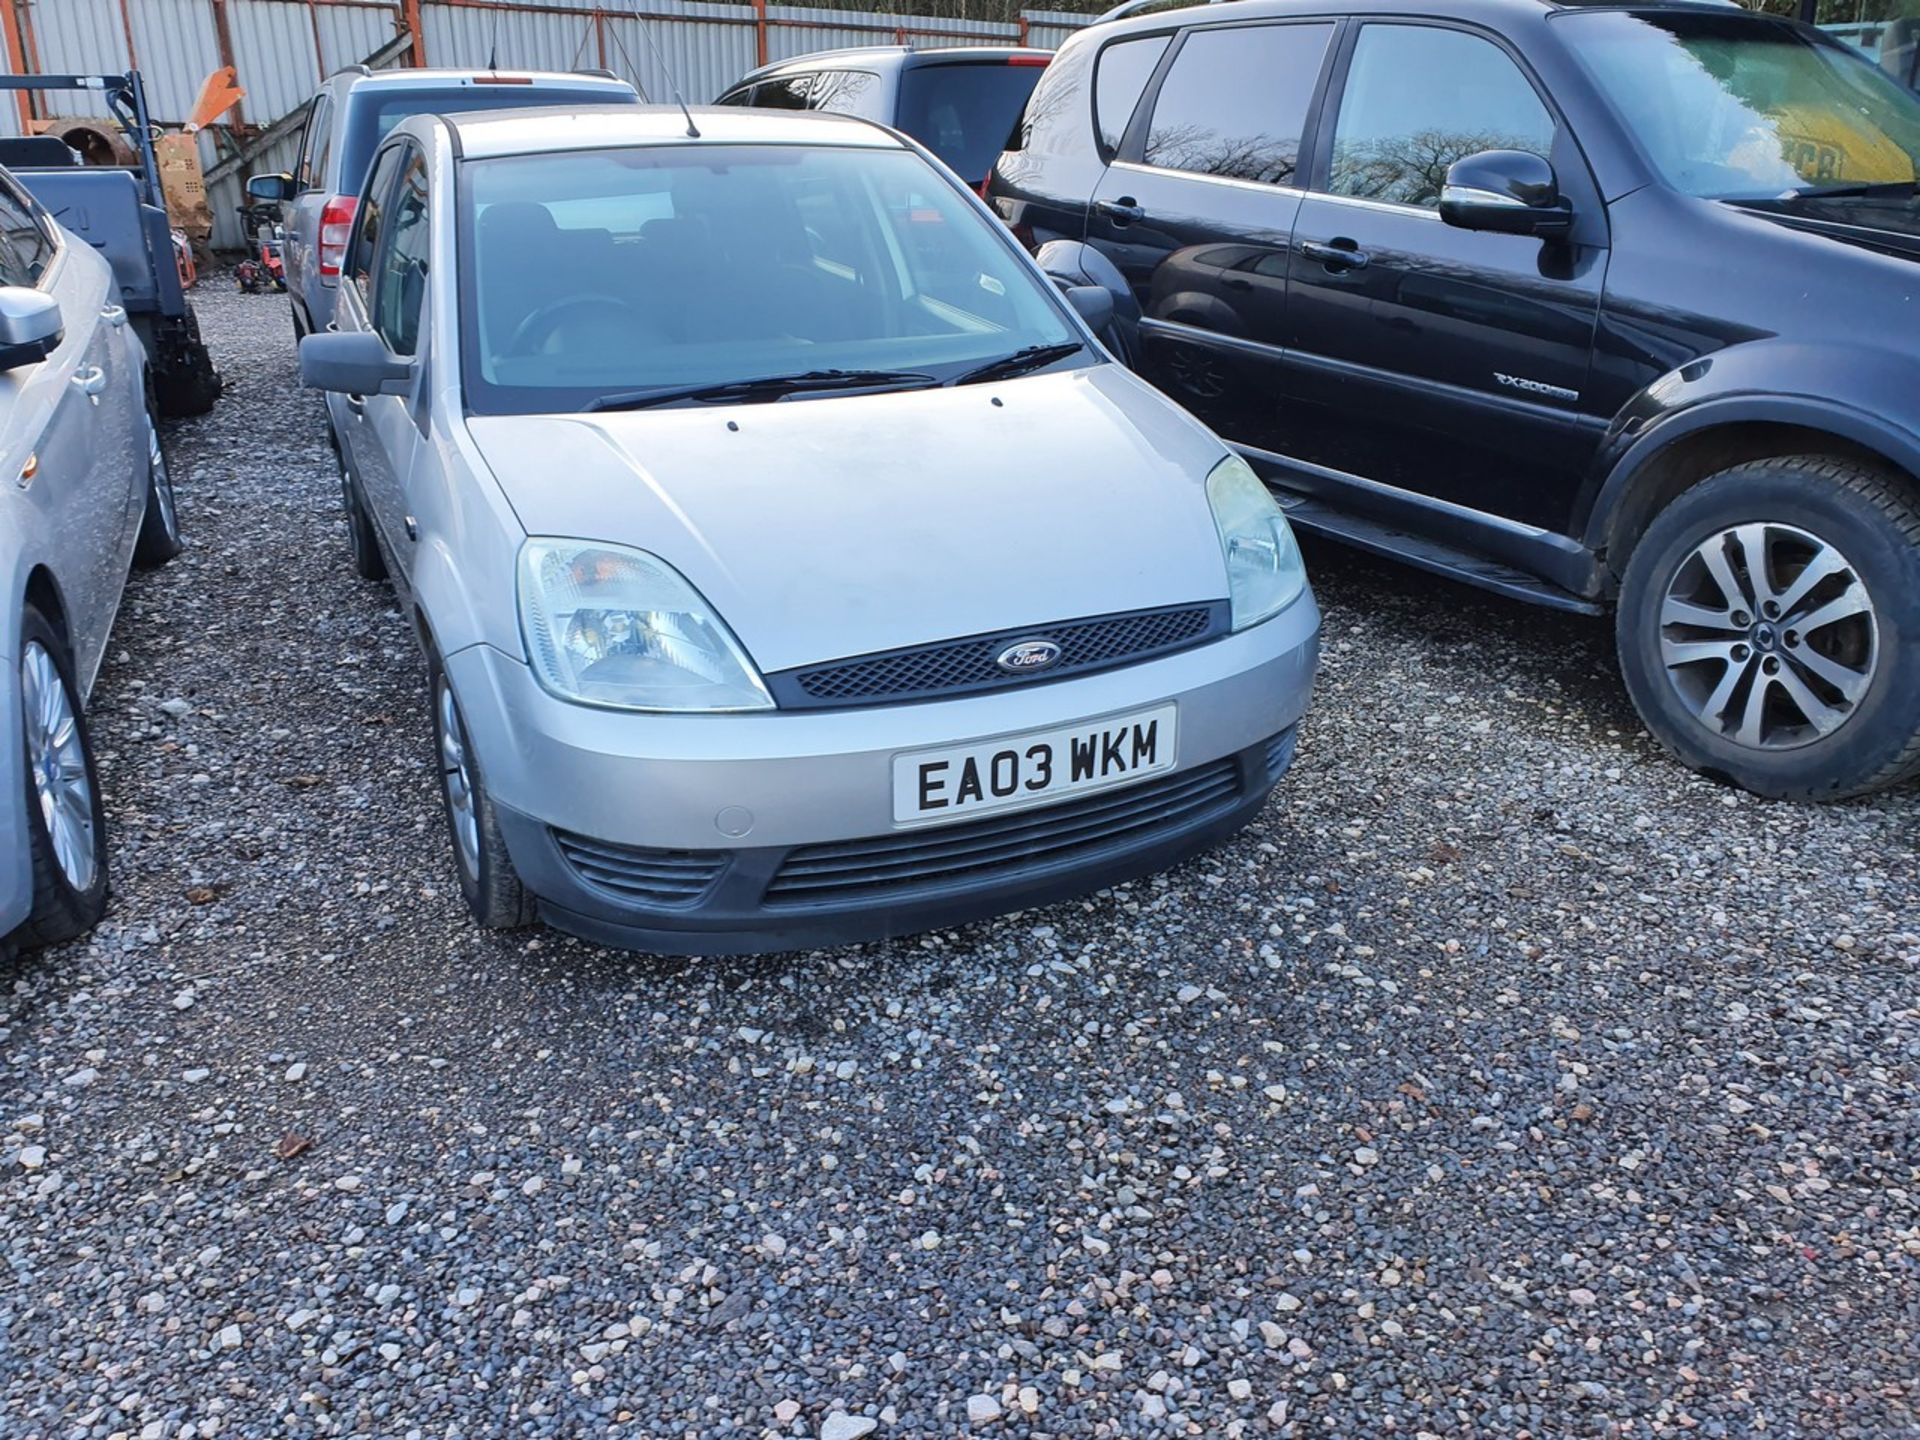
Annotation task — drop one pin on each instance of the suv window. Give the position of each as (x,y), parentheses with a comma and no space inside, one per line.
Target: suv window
(367,223)
(403,262)
(1235,101)
(373,111)
(1418,98)
(963,112)
(843,92)
(315,143)
(1119,79)
(784,92)
(24,248)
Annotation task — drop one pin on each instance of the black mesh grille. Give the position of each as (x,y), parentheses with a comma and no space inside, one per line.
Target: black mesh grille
(955,667)
(633,872)
(938,858)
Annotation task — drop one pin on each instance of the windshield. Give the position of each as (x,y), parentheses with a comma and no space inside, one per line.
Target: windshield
(372,115)
(1732,107)
(602,273)
(964,113)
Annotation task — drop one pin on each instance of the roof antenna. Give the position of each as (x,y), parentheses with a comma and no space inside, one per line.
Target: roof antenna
(493,46)
(673,85)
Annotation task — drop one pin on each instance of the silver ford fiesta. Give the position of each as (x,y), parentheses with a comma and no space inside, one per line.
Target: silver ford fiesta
(792,563)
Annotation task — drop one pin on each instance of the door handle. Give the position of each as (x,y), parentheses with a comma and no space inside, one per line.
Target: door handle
(1336,254)
(91,382)
(1123,211)
(114,314)
(357,404)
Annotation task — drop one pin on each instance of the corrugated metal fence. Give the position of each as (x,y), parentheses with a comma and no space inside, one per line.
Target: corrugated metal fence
(281,48)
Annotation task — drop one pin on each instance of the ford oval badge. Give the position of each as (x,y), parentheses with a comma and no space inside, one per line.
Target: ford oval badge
(1027,657)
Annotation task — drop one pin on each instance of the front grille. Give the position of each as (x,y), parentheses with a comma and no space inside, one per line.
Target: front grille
(957,667)
(940,858)
(635,872)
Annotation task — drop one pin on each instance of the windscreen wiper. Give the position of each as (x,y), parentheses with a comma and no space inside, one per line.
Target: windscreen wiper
(1898,189)
(1018,363)
(764,387)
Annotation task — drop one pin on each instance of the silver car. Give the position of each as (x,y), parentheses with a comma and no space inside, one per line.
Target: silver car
(83,491)
(792,564)
(346,119)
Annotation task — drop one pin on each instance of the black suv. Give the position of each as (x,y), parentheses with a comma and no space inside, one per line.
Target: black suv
(1598,306)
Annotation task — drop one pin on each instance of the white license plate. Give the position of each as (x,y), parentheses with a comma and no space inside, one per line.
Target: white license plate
(958,782)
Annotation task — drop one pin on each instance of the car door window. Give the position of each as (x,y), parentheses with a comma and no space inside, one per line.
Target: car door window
(25,250)
(1119,79)
(368,221)
(1235,102)
(402,266)
(1419,97)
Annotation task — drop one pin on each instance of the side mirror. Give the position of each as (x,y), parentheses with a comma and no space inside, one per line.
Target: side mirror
(354,363)
(1094,304)
(1510,192)
(270,187)
(30,326)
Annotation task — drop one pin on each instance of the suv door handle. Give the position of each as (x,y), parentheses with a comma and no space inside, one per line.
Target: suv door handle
(114,314)
(1336,254)
(91,382)
(357,404)
(1123,211)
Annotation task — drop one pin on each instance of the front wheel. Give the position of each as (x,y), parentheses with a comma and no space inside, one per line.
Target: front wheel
(66,821)
(159,539)
(488,882)
(1769,628)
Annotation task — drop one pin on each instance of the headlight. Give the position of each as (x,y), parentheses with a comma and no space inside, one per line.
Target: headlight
(1264,570)
(606,625)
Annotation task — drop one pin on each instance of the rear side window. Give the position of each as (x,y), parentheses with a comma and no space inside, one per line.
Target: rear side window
(788,92)
(1418,98)
(845,92)
(372,114)
(314,146)
(1235,102)
(965,112)
(1119,80)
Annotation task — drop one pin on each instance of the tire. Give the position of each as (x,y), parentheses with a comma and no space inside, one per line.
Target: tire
(299,330)
(159,538)
(69,853)
(1740,691)
(488,882)
(363,546)
(184,380)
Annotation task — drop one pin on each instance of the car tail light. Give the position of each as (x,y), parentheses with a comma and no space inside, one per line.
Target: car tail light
(336,220)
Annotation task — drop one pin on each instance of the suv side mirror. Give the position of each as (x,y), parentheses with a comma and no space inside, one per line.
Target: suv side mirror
(1094,304)
(30,326)
(355,362)
(270,187)
(1510,192)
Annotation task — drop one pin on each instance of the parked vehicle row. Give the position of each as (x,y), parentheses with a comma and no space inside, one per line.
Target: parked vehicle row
(1602,307)
(84,491)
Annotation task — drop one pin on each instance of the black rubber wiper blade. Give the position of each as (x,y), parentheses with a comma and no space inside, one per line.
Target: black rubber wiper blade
(1898,189)
(763,387)
(1018,363)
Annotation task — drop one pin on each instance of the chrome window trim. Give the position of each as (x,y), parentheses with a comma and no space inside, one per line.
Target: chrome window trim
(1394,206)
(1259,186)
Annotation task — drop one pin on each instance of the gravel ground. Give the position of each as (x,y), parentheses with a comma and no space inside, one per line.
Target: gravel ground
(1504,1079)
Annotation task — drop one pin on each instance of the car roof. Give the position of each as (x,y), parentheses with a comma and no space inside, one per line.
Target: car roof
(485,134)
(1152,14)
(891,57)
(413,78)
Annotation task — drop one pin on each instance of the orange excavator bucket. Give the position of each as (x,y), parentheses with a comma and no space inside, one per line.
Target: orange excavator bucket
(219,93)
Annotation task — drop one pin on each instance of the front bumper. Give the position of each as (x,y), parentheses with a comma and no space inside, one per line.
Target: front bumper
(685,834)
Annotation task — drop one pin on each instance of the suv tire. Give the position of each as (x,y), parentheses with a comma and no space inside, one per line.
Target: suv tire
(363,545)
(159,539)
(1714,645)
(70,873)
